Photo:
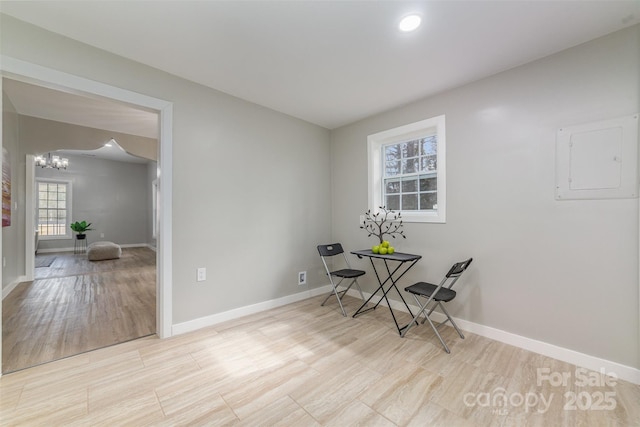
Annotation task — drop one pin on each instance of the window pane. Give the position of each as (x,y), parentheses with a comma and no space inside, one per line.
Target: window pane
(407,169)
(428,163)
(392,186)
(430,145)
(428,201)
(410,149)
(428,184)
(392,168)
(410,166)
(409,202)
(392,152)
(393,202)
(409,185)
(52,209)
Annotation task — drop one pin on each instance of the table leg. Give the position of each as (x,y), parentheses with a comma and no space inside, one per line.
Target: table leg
(385,292)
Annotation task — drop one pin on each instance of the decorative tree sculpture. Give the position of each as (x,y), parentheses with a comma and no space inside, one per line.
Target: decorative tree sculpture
(384,222)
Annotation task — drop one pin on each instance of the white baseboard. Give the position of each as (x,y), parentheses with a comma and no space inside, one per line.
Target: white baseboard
(11,286)
(623,372)
(71,249)
(214,319)
(51,250)
(627,373)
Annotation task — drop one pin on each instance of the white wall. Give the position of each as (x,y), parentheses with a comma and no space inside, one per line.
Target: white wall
(565,273)
(251,196)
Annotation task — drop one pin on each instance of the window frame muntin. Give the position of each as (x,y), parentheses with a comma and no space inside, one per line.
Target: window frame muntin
(68,232)
(376,162)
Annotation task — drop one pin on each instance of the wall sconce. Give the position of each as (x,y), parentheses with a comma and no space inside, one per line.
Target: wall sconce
(52,162)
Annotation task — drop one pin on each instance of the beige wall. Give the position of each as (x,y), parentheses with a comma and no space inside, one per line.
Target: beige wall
(251,192)
(561,272)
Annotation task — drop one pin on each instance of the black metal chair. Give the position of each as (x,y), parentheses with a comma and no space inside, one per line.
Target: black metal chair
(438,294)
(328,251)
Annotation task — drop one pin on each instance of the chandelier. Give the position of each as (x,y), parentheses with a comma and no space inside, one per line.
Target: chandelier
(52,162)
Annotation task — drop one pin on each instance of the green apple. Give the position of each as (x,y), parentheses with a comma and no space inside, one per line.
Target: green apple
(390,250)
(383,251)
(384,244)
(375,249)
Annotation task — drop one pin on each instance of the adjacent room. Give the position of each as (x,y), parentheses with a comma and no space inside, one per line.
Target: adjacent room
(340,213)
(80,295)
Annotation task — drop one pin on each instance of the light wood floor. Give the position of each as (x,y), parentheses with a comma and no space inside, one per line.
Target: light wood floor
(303,365)
(76,305)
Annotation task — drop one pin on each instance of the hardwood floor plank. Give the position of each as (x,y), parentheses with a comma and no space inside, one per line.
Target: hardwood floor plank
(272,369)
(76,305)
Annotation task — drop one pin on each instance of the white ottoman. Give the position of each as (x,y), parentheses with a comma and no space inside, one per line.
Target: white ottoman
(98,251)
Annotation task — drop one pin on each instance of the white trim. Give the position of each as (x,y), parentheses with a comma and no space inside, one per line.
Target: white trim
(627,373)
(30,218)
(214,319)
(69,183)
(375,143)
(11,286)
(71,248)
(164,241)
(43,76)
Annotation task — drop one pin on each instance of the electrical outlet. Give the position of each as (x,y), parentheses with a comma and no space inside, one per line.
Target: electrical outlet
(302,278)
(201,274)
(102,235)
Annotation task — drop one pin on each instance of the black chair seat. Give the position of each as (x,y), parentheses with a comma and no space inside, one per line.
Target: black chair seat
(444,294)
(426,290)
(348,273)
(351,275)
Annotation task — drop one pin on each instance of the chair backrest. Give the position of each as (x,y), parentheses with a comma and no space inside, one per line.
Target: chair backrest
(330,250)
(456,271)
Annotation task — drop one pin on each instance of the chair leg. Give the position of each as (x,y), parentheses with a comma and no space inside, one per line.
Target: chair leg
(439,336)
(337,294)
(451,320)
(426,317)
(415,318)
(359,289)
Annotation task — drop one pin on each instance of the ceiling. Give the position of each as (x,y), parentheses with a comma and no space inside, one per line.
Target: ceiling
(110,151)
(329,62)
(43,103)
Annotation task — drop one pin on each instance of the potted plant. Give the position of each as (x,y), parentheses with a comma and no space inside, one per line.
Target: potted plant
(80,227)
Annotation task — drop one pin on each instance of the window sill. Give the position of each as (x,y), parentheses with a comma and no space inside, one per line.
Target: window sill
(428,217)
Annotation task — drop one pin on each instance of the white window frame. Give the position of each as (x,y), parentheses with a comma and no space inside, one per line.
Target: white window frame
(68,232)
(376,142)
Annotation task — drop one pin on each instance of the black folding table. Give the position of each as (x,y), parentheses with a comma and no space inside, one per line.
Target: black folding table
(405,262)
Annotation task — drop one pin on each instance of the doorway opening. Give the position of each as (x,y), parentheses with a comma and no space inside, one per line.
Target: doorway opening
(51,79)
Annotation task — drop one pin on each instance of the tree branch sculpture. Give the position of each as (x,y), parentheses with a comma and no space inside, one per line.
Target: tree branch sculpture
(384,222)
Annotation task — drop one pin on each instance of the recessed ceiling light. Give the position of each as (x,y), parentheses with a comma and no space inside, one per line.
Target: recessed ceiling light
(410,23)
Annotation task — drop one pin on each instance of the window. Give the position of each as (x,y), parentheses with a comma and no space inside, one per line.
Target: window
(407,170)
(54,209)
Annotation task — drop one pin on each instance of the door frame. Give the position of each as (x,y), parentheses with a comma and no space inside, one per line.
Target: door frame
(53,79)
